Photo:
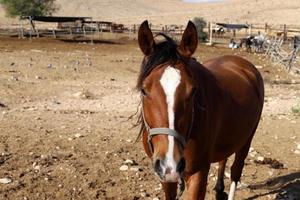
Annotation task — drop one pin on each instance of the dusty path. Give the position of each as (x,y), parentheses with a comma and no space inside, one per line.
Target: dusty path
(64,132)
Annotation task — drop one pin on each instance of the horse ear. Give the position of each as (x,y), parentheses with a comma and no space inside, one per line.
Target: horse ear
(189,41)
(145,38)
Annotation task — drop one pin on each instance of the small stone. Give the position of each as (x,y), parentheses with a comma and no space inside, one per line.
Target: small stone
(271,173)
(260,158)
(124,168)
(144,194)
(251,149)
(242,185)
(297,151)
(14,78)
(78,135)
(5,180)
(253,154)
(155,198)
(298,146)
(135,169)
(70,139)
(37,167)
(130,162)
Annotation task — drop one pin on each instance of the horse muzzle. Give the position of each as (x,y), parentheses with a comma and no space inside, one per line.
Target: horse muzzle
(169,172)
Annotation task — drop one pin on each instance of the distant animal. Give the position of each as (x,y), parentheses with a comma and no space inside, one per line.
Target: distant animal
(195,114)
(247,42)
(219,32)
(254,43)
(258,42)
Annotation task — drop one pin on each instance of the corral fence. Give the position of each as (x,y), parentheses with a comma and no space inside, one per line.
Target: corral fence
(87,29)
(43,26)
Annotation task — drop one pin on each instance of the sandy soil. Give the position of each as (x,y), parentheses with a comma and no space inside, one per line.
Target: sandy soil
(65,133)
(179,12)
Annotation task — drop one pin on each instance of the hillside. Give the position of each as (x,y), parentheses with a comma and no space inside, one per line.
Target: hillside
(178,12)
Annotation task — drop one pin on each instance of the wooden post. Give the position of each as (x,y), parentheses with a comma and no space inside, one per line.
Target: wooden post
(134,28)
(266,27)
(250,29)
(92,32)
(54,34)
(71,32)
(37,32)
(208,28)
(84,33)
(284,32)
(21,31)
(98,30)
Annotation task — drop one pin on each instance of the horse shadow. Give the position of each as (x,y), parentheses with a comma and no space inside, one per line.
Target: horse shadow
(284,187)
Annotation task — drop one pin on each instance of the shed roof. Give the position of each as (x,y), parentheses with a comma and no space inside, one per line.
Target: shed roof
(55,18)
(233,26)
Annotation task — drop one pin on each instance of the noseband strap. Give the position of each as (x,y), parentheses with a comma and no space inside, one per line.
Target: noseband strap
(161,131)
(166,131)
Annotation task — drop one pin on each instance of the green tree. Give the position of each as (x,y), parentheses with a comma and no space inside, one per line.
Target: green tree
(200,24)
(16,8)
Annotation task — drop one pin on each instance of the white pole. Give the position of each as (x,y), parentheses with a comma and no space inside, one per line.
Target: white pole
(210,34)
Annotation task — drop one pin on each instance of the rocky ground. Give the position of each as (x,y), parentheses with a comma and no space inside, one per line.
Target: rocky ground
(65,131)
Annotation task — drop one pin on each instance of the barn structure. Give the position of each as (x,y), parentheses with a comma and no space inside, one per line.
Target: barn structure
(74,26)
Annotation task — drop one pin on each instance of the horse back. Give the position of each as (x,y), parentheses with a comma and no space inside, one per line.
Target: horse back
(238,102)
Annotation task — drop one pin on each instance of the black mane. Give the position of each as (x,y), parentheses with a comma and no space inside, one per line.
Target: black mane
(164,52)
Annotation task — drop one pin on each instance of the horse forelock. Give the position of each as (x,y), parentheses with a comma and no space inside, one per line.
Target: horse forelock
(163,52)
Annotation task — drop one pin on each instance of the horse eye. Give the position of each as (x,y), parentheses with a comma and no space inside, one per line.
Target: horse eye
(143,92)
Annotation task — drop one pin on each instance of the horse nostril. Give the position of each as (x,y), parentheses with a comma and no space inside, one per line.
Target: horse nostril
(181,165)
(157,166)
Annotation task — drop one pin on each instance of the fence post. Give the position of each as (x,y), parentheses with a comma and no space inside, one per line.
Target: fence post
(54,34)
(266,27)
(84,33)
(134,29)
(284,32)
(21,30)
(71,32)
(210,33)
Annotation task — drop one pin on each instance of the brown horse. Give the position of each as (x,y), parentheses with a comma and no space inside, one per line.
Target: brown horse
(194,115)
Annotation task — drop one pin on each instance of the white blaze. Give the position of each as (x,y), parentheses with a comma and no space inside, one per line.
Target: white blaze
(169,82)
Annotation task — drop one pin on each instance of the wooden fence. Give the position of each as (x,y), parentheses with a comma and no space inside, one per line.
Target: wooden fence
(287,31)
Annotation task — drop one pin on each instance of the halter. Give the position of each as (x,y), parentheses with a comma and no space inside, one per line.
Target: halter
(166,131)
(161,131)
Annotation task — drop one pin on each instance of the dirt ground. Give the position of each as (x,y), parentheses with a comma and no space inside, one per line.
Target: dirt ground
(65,133)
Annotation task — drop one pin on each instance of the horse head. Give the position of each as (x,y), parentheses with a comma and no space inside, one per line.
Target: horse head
(167,90)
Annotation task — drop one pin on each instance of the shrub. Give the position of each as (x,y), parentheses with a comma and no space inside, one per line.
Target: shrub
(200,24)
(296,110)
(15,8)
